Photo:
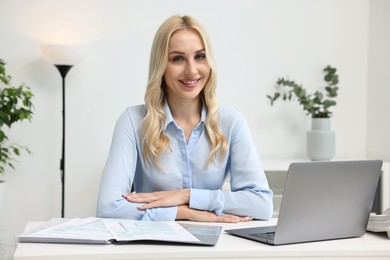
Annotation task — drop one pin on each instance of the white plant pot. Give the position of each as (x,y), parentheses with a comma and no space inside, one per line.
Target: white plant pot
(320,140)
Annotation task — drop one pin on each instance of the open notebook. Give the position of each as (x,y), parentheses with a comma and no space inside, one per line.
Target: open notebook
(119,231)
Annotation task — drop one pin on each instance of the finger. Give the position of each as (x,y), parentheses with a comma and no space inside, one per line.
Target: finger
(150,205)
(155,194)
(139,198)
(228,219)
(163,202)
(246,219)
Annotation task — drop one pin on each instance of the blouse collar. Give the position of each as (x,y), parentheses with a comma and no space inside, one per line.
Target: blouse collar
(170,117)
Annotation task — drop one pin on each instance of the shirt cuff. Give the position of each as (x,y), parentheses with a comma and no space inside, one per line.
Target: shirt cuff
(209,200)
(160,214)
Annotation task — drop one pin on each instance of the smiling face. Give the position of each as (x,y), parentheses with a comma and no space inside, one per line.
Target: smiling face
(187,70)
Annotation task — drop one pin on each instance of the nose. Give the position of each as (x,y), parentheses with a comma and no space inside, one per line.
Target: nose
(190,68)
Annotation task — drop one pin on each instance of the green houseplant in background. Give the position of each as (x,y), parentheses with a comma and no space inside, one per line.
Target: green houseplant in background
(15,106)
(316,105)
(320,139)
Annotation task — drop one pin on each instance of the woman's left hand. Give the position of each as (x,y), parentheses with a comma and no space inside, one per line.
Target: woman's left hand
(159,198)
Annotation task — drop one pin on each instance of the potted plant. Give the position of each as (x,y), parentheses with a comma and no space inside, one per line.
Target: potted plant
(320,139)
(15,106)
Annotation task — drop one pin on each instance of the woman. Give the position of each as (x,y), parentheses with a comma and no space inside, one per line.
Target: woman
(178,148)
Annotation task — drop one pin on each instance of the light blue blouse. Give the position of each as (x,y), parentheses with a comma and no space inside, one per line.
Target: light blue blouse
(185,167)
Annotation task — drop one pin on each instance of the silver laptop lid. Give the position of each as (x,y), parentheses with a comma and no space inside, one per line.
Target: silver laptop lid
(327,200)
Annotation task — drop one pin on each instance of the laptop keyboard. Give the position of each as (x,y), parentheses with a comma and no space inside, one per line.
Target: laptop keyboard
(269,236)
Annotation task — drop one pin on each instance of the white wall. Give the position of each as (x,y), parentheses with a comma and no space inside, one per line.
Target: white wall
(255,43)
(378,84)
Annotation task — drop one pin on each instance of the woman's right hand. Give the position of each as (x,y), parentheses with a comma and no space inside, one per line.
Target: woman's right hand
(186,213)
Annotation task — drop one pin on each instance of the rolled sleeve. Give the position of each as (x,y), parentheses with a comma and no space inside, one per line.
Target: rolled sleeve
(209,200)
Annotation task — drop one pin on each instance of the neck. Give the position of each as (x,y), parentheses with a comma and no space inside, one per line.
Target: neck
(183,110)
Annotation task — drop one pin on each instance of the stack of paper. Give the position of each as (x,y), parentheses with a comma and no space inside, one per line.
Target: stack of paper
(105,231)
(379,223)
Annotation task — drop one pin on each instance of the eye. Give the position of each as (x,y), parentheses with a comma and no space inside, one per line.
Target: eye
(200,56)
(177,58)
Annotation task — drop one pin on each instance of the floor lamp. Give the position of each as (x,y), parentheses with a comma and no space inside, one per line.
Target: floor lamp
(63,58)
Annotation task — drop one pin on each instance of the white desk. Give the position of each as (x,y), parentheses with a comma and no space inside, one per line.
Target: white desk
(369,246)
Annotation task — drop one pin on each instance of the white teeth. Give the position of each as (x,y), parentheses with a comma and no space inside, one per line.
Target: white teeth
(190,82)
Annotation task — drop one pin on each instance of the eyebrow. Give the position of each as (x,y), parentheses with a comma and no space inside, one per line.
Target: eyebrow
(182,53)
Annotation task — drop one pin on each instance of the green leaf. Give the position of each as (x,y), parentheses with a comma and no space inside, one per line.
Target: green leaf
(313,104)
(16,151)
(15,106)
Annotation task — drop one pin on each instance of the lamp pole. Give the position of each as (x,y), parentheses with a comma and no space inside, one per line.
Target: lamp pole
(63,69)
(63,57)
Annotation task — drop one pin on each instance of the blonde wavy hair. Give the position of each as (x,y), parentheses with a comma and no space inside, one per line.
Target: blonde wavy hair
(154,141)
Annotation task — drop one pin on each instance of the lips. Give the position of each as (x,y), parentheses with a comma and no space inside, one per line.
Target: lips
(190,83)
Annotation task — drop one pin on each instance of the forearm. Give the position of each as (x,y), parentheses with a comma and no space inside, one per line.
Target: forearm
(186,213)
(257,204)
(253,203)
(158,199)
(121,208)
(208,200)
(118,208)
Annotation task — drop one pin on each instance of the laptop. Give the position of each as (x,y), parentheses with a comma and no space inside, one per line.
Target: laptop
(321,200)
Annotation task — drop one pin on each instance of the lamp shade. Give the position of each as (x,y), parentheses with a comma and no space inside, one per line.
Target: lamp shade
(64,54)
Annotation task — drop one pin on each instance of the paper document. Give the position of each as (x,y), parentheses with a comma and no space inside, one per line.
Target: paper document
(104,231)
(129,230)
(88,230)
